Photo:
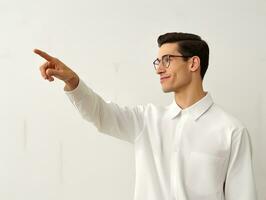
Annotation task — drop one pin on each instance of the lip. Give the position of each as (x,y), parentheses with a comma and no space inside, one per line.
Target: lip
(164,78)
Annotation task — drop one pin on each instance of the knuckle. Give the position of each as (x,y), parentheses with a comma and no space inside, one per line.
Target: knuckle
(55,59)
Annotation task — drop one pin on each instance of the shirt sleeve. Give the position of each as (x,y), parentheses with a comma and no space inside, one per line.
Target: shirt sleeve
(124,123)
(240,182)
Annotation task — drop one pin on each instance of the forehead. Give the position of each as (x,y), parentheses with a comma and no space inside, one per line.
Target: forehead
(168,48)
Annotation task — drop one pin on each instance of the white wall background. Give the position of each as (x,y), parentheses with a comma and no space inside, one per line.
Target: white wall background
(47,152)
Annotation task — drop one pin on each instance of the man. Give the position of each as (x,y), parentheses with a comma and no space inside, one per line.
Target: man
(188,150)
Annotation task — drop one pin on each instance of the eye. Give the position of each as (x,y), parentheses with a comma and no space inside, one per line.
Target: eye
(166,59)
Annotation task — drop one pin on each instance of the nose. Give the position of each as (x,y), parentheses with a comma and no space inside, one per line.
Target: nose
(160,69)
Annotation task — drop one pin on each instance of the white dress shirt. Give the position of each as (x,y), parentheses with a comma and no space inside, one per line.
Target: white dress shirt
(198,153)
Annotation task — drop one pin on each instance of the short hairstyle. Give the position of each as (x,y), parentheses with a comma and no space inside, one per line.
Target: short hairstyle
(188,45)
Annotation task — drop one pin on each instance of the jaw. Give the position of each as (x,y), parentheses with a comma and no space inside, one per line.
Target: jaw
(177,87)
(167,88)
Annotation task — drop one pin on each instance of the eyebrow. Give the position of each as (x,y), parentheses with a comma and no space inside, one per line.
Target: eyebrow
(164,55)
(168,54)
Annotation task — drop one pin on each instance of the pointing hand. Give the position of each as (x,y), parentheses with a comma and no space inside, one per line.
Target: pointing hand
(53,67)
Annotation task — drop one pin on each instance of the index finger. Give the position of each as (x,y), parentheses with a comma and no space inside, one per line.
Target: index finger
(43,54)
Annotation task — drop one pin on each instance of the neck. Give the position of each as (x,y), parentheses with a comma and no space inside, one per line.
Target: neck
(188,96)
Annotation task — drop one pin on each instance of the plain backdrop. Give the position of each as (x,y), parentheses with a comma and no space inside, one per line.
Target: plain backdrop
(47,152)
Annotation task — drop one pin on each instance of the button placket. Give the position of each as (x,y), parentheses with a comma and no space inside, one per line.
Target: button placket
(175,189)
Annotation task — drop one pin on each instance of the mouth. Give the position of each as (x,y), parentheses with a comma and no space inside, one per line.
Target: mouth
(164,78)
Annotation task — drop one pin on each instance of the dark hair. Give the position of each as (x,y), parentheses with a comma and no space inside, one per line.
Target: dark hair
(189,45)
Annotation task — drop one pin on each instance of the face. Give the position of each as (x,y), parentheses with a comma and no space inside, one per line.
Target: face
(178,75)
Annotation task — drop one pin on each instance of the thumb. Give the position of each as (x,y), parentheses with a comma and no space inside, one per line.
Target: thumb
(52,72)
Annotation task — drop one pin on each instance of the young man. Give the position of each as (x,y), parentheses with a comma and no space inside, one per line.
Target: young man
(188,150)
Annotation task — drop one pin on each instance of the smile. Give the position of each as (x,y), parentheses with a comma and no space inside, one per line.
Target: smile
(164,78)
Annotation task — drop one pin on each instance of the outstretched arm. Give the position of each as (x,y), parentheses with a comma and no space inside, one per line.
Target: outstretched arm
(121,122)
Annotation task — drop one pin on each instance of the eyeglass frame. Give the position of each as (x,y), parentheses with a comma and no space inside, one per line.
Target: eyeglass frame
(169,56)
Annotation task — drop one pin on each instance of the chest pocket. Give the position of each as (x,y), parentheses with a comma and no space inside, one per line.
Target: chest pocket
(204,173)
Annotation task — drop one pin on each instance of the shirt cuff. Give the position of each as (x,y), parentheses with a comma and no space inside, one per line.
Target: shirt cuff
(79,92)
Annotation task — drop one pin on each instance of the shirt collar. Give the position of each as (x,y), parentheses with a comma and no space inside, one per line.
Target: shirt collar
(194,111)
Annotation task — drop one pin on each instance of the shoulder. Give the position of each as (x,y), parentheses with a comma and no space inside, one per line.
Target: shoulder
(225,118)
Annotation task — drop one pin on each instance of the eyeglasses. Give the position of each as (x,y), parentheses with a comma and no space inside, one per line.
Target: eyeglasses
(166,60)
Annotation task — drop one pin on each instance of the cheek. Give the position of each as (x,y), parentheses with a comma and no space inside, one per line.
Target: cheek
(180,76)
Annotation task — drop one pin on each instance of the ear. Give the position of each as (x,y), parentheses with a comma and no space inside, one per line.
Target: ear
(195,63)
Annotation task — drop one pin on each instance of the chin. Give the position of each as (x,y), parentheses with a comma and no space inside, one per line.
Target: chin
(166,90)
